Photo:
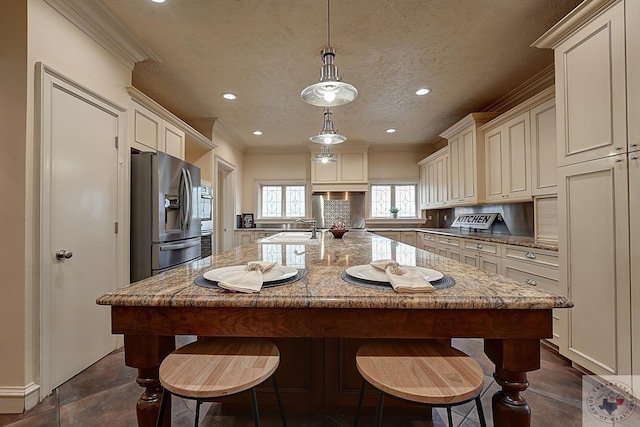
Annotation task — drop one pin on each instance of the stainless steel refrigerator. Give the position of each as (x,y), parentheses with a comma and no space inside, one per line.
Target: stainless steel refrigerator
(165,221)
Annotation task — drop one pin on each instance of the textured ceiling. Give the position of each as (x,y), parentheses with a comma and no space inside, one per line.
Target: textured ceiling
(469,52)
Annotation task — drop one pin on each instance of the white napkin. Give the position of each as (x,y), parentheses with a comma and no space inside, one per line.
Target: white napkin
(401,279)
(249,280)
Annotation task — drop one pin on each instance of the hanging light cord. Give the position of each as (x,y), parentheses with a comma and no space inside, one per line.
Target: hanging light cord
(328,23)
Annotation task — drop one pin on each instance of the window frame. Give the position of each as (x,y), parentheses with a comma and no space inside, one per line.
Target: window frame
(283,185)
(393,195)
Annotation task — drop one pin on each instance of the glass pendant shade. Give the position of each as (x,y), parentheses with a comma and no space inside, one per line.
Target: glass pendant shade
(324,156)
(330,91)
(328,135)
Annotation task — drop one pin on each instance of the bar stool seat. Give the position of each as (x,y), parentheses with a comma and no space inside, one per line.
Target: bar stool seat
(216,367)
(419,371)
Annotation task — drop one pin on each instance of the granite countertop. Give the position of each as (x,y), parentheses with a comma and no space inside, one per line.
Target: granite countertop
(322,287)
(507,239)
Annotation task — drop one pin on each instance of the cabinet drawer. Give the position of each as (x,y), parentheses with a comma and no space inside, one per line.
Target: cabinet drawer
(534,256)
(482,247)
(427,237)
(543,277)
(448,241)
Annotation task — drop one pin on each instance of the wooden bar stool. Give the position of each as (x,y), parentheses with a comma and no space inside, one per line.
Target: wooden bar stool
(216,367)
(418,371)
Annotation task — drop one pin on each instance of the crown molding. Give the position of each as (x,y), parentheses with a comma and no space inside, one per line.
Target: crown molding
(536,84)
(572,22)
(229,135)
(468,120)
(531,102)
(94,19)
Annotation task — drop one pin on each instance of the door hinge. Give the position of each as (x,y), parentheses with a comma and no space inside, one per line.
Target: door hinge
(116,227)
(117,141)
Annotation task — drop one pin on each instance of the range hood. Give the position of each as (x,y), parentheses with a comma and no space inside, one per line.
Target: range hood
(339,187)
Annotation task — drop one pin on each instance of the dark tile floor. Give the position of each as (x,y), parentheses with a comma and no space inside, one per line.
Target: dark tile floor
(104,393)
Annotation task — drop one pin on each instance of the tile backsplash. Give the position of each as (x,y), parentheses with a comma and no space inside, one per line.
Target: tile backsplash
(336,211)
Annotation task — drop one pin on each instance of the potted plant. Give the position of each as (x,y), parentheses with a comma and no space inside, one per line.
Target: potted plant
(394,212)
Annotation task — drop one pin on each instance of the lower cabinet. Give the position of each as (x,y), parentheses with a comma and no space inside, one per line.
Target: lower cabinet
(243,237)
(484,255)
(427,242)
(449,247)
(408,237)
(536,268)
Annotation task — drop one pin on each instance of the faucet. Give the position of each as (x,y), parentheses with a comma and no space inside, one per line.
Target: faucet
(308,221)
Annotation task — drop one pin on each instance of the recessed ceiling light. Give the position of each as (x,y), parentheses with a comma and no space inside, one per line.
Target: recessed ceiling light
(158,1)
(423,91)
(229,96)
(390,130)
(257,132)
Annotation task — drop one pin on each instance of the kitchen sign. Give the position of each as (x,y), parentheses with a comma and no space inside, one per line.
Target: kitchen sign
(481,221)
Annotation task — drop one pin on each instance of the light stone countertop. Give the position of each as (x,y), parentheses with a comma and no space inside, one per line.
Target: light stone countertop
(322,286)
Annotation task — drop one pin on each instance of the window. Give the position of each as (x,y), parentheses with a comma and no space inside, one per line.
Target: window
(386,196)
(283,201)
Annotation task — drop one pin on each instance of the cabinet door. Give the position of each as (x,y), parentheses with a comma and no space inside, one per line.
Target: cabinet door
(353,167)
(517,141)
(146,128)
(424,188)
(493,164)
(492,264)
(590,88)
(470,258)
(632,15)
(408,237)
(594,264)
(442,173)
(456,158)
(634,214)
(462,165)
(174,140)
(543,149)
(243,237)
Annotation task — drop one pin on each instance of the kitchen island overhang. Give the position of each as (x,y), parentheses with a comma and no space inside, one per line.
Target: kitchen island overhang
(511,317)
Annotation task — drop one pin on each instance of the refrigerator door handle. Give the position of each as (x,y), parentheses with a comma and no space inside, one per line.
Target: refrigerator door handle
(183,245)
(189,196)
(184,207)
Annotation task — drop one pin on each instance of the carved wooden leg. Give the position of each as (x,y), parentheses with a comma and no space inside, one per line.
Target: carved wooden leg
(509,407)
(146,352)
(149,402)
(513,359)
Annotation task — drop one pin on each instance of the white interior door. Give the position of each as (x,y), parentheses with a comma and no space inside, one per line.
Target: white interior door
(225,211)
(79,213)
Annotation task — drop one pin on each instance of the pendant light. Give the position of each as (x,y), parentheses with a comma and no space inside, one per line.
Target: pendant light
(330,91)
(324,156)
(328,135)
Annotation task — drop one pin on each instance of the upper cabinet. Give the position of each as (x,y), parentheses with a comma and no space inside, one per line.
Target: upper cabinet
(590,85)
(519,148)
(434,173)
(466,159)
(156,129)
(349,172)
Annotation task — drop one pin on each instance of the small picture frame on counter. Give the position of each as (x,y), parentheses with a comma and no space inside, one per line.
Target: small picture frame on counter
(247,220)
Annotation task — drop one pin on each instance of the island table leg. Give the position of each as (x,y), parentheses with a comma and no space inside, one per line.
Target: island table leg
(146,353)
(513,359)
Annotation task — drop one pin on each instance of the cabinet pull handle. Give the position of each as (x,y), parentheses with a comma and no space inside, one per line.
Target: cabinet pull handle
(618,160)
(618,148)
(530,255)
(634,144)
(531,282)
(634,158)
(479,246)
(448,240)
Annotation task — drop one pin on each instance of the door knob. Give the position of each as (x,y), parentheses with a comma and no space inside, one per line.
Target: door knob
(63,254)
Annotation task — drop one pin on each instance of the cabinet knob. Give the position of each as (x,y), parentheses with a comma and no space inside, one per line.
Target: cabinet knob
(479,246)
(618,160)
(531,282)
(635,144)
(634,157)
(448,240)
(530,255)
(618,148)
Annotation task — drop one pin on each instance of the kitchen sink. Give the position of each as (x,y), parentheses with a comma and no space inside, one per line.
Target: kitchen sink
(292,237)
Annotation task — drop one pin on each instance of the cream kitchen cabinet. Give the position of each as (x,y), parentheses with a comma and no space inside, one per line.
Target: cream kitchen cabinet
(484,255)
(423,188)
(590,81)
(466,159)
(508,158)
(544,148)
(152,133)
(173,140)
(449,247)
(634,232)
(539,268)
(351,168)
(428,242)
(436,172)
(595,264)
(243,237)
(408,237)
(393,235)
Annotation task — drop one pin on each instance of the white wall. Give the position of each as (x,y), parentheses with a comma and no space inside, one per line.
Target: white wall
(53,40)
(394,166)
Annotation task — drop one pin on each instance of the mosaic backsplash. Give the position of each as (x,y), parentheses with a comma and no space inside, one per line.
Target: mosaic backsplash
(336,211)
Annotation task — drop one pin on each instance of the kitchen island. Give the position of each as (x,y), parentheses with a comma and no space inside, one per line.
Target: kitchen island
(511,317)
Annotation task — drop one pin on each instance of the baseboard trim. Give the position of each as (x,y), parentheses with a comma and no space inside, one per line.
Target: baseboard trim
(16,400)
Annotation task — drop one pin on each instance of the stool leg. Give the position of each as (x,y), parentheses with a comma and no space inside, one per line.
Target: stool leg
(197,421)
(449,416)
(163,405)
(254,407)
(355,422)
(483,422)
(379,409)
(275,387)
